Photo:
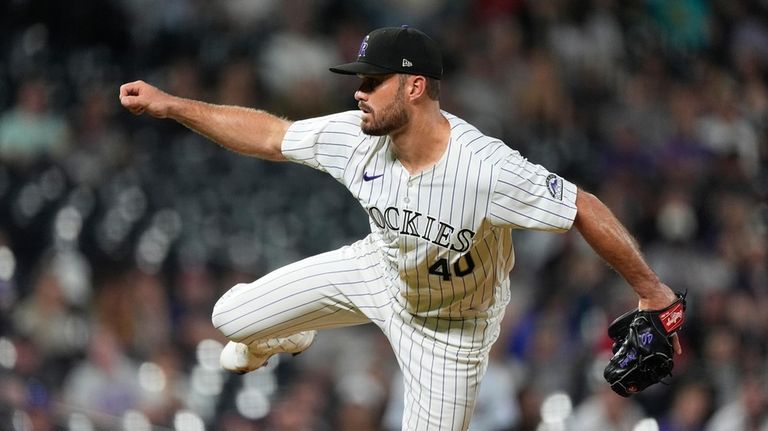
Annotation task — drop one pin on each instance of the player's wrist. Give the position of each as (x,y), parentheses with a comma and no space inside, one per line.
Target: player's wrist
(657,299)
(177,108)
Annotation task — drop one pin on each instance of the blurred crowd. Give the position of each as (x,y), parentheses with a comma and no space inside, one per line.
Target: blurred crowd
(118,233)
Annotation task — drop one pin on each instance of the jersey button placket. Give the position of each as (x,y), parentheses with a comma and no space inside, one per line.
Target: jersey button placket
(408,191)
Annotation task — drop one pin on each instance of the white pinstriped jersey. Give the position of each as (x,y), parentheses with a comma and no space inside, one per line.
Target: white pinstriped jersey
(445,233)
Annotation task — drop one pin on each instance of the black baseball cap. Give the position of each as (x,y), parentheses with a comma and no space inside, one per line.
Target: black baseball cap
(396,50)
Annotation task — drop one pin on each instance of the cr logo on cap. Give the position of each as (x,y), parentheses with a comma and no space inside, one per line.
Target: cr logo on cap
(363,47)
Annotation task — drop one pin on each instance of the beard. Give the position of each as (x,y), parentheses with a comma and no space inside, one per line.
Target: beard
(390,118)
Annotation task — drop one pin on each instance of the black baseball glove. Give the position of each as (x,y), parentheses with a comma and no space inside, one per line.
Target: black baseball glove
(642,349)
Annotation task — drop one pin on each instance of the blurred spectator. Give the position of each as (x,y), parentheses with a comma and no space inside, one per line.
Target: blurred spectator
(685,158)
(605,411)
(753,91)
(8,287)
(724,130)
(587,40)
(153,330)
(747,412)
(295,60)
(301,406)
(99,144)
(195,290)
(48,318)
(684,24)
(237,85)
(690,409)
(749,38)
(543,102)
(164,384)
(29,393)
(540,341)
(361,398)
(12,399)
(720,359)
(105,384)
(231,421)
(30,131)
(193,297)
(184,77)
(529,399)
(640,109)
(113,308)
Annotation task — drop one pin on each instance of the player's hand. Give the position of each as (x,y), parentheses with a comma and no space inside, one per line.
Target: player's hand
(140,97)
(665,297)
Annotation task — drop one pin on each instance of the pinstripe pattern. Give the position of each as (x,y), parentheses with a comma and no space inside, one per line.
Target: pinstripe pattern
(479,185)
(443,361)
(433,273)
(334,289)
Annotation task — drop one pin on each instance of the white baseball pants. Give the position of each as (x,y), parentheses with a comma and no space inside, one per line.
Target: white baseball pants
(443,360)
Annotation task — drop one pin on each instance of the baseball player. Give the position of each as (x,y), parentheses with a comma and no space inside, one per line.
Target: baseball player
(443,201)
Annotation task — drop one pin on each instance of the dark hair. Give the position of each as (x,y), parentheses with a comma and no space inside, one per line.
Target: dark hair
(433,86)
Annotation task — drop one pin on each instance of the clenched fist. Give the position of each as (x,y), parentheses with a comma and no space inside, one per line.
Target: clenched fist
(140,97)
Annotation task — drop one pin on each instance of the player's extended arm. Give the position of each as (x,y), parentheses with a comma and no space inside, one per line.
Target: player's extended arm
(248,131)
(611,240)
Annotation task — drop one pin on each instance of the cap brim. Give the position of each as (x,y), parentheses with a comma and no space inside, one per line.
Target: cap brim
(361,68)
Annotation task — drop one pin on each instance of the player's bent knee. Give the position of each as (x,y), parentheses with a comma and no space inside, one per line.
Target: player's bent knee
(225,309)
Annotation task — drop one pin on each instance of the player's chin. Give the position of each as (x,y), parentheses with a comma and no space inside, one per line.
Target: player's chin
(367,125)
(372,129)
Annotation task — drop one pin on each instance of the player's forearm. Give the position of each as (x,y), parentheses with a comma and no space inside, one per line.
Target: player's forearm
(247,131)
(611,240)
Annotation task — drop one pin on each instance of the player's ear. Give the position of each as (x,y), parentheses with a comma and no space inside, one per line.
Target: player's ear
(416,87)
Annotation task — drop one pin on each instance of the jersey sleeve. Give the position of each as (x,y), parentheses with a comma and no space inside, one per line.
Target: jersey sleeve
(528,196)
(324,143)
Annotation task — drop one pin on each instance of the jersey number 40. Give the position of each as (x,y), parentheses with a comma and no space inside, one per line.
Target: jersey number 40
(461,267)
